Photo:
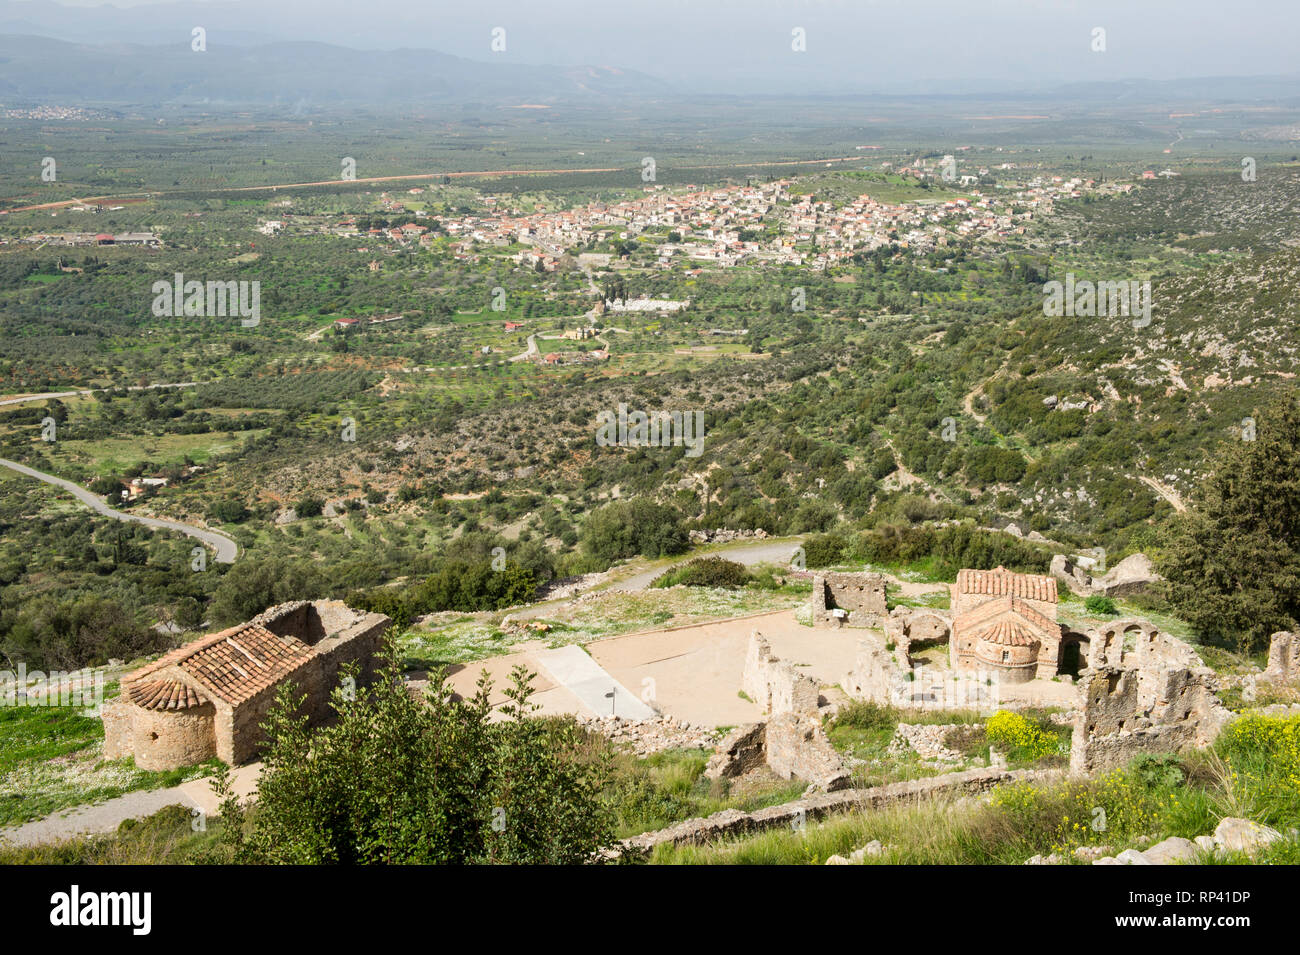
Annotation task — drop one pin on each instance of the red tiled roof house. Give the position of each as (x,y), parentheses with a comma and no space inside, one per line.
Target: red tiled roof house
(210,697)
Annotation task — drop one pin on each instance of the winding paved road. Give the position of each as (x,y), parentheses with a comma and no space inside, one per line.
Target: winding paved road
(227,550)
(750,554)
(86,392)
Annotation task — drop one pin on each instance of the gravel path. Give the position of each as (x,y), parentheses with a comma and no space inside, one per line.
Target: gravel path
(95,820)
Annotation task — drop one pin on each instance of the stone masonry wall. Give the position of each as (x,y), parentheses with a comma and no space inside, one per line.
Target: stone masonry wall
(860,597)
(1130,711)
(1283,658)
(163,740)
(774,684)
(119,742)
(797,748)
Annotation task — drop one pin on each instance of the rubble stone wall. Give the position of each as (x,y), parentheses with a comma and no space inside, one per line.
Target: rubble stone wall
(860,597)
(797,748)
(1129,711)
(774,684)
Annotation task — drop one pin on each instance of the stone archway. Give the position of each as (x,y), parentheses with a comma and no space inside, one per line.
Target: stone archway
(1073,654)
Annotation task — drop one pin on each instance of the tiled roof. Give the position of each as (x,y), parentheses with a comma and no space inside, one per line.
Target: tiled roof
(1001,582)
(1008,633)
(984,617)
(970,619)
(164,695)
(233,665)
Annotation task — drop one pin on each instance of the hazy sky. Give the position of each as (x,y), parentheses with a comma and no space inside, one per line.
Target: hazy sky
(735,45)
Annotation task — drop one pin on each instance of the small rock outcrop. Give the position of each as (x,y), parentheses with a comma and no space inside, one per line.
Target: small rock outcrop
(1134,574)
(1231,835)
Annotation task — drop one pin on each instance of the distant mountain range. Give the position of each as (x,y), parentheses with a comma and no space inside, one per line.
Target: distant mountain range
(39,69)
(273,53)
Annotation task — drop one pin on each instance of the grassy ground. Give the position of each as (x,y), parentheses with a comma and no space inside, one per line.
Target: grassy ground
(862,732)
(165,838)
(1252,772)
(656,791)
(51,758)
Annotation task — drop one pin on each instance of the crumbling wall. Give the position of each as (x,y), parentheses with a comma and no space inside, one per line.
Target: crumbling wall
(858,598)
(1137,643)
(792,746)
(741,750)
(797,748)
(908,625)
(1283,658)
(774,684)
(1134,710)
(887,677)
(876,672)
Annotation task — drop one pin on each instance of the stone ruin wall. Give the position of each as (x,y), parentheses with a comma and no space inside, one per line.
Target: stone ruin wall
(875,674)
(1107,647)
(774,684)
(908,625)
(797,748)
(791,745)
(860,596)
(1154,697)
(882,675)
(1283,658)
(791,742)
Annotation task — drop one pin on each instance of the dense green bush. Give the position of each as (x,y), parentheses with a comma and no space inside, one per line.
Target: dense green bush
(309,506)
(462,585)
(705,572)
(824,550)
(950,548)
(251,585)
(627,528)
(397,780)
(82,631)
(1099,604)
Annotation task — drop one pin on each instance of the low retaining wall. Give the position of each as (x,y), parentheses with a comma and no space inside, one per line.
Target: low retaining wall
(733,822)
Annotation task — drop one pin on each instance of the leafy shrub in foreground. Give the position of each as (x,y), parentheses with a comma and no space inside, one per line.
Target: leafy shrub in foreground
(400,780)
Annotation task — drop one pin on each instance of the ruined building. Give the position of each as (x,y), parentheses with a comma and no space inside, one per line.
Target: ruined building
(775,685)
(210,697)
(855,600)
(1142,692)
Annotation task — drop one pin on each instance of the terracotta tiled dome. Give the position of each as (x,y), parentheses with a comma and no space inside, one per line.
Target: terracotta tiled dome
(1008,633)
(164,695)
